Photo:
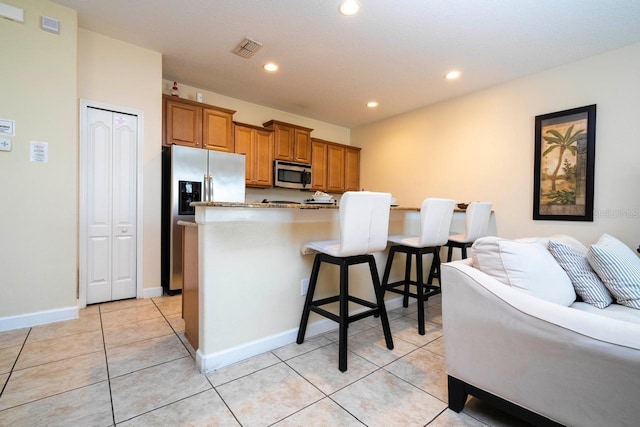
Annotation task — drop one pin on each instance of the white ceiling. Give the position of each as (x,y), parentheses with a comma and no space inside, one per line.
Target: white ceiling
(394,51)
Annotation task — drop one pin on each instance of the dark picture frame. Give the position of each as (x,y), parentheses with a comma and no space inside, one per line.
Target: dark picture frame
(564,165)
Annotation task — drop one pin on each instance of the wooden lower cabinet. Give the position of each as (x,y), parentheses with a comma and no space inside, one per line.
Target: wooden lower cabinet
(190,308)
(256,144)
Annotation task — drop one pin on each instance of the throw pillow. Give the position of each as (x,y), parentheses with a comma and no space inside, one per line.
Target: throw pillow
(585,281)
(526,265)
(619,269)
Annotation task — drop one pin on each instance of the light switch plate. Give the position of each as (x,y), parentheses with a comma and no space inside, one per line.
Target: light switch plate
(5,144)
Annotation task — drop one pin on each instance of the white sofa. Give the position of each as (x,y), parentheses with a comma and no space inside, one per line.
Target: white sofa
(545,362)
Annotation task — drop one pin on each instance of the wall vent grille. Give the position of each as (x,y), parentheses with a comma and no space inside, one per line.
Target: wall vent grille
(247,48)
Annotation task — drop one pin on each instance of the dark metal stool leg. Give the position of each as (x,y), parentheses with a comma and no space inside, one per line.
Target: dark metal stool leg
(464,252)
(450,254)
(387,268)
(344,316)
(435,266)
(407,280)
(420,293)
(307,302)
(380,301)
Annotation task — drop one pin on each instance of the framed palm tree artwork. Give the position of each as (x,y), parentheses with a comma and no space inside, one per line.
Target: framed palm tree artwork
(564,165)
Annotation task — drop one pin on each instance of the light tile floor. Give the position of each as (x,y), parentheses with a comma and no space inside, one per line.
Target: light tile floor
(128,363)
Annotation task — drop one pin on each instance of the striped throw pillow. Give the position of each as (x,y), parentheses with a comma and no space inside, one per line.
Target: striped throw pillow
(619,269)
(585,281)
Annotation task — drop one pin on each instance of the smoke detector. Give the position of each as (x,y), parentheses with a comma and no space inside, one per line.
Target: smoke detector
(247,48)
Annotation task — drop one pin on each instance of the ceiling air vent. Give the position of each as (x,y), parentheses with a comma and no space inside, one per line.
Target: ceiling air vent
(247,48)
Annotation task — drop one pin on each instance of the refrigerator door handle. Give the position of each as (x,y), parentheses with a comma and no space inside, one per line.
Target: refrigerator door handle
(211,188)
(205,192)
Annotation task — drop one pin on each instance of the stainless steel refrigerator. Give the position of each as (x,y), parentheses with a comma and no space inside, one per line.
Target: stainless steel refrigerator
(193,175)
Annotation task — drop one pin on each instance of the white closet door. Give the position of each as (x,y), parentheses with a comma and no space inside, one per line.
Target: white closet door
(124,206)
(111,206)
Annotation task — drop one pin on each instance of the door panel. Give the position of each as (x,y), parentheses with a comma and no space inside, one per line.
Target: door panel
(124,206)
(98,269)
(111,194)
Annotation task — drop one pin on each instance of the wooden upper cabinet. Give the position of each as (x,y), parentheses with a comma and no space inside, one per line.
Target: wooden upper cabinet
(183,123)
(194,124)
(217,130)
(302,150)
(318,165)
(335,168)
(284,146)
(257,144)
(291,142)
(351,169)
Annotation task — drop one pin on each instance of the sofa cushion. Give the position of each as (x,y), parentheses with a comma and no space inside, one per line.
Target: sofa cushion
(619,269)
(525,264)
(585,281)
(614,311)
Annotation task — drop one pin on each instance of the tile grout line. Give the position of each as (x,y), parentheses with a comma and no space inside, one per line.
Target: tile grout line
(15,362)
(222,399)
(174,331)
(106,360)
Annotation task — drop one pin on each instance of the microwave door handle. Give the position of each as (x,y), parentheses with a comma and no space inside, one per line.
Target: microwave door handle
(306,179)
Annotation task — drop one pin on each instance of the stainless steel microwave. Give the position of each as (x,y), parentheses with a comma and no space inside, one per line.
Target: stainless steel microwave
(291,175)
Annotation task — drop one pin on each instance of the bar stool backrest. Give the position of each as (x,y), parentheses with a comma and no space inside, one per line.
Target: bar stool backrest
(435,221)
(364,222)
(477,220)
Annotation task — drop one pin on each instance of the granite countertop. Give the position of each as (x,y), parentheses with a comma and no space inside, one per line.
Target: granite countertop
(283,205)
(187,223)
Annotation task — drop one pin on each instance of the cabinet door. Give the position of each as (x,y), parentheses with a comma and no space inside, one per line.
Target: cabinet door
(335,168)
(351,169)
(243,145)
(318,166)
(302,150)
(263,155)
(183,124)
(217,130)
(284,143)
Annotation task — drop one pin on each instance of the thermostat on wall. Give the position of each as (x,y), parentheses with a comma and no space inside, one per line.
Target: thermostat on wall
(5,144)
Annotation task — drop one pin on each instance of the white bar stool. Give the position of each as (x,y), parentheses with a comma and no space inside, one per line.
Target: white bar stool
(364,226)
(435,222)
(476,225)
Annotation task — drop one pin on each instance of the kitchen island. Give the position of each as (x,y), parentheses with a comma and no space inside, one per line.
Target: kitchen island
(250,270)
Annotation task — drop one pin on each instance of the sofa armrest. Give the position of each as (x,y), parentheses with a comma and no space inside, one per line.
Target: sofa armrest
(573,367)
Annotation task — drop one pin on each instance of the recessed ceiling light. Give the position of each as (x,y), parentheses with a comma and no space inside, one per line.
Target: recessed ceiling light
(270,67)
(452,75)
(349,7)
(372,104)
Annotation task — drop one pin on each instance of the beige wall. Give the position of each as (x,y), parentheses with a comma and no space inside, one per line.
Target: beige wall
(124,75)
(38,207)
(481,147)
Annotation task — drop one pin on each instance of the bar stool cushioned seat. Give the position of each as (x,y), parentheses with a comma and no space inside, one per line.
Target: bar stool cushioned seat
(435,222)
(476,225)
(364,226)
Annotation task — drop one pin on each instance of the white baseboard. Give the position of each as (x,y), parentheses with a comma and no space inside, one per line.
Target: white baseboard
(210,362)
(152,292)
(38,318)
